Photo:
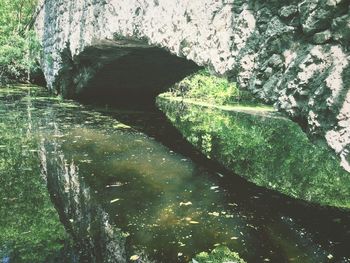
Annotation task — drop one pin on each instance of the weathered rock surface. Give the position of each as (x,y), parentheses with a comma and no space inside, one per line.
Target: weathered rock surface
(294,54)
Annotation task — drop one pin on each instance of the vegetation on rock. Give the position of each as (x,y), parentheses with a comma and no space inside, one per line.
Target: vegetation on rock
(204,86)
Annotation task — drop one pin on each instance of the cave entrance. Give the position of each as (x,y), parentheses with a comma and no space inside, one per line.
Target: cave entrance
(131,74)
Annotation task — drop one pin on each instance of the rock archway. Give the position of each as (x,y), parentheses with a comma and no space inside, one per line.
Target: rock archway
(294,54)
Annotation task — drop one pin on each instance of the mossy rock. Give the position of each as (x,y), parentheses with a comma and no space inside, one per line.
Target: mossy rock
(220,254)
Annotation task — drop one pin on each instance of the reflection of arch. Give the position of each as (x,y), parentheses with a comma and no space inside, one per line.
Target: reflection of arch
(88,224)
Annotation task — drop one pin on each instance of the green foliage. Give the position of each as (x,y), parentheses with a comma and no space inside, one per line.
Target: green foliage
(19,48)
(204,86)
(16,15)
(30,230)
(265,148)
(218,255)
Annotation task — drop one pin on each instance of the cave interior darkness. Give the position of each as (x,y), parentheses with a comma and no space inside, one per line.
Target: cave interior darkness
(133,79)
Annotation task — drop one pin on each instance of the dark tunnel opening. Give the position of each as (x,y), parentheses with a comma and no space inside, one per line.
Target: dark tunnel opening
(134,80)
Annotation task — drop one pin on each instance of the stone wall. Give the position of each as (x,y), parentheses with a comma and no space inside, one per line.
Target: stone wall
(295,54)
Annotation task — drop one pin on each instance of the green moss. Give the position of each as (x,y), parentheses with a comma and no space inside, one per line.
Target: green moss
(218,255)
(266,149)
(204,86)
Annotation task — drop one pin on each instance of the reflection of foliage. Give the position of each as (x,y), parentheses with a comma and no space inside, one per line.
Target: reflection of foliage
(30,228)
(214,89)
(206,143)
(218,255)
(270,151)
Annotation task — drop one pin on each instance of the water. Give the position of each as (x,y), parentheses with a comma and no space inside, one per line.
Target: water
(264,147)
(30,230)
(113,185)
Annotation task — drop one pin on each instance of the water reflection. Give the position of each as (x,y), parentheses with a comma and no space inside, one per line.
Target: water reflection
(30,230)
(172,208)
(104,176)
(264,148)
(84,219)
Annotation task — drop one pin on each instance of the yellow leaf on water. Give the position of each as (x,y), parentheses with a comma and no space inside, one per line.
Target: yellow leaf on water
(134,257)
(121,126)
(214,213)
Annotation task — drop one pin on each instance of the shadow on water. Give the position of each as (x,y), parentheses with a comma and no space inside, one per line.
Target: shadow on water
(111,183)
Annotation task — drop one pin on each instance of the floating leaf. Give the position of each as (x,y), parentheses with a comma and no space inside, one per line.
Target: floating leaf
(116,184)
(86,161)
(115,200)
(220,175)
(214,213)
(134,257)
(126,234)
(121,126)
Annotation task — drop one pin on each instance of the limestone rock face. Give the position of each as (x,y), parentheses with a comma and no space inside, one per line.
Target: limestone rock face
(295,54)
